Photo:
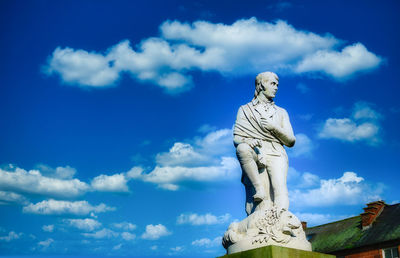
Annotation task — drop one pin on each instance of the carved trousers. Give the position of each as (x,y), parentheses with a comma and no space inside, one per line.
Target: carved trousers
(276,166)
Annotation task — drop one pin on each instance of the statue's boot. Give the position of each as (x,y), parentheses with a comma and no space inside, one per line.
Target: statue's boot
(259,196)
(251,171)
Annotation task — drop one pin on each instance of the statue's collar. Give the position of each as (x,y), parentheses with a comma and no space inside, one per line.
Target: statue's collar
(257,100)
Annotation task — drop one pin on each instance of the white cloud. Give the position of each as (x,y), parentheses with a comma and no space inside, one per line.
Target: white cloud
(154,232)
(204,159)
(202,150)
(177,249)
(171,177)
(153,247)
(124,226)
(308,180)
(349,187)
(206,219)
(55,207)
(79,66)
(217,142)
(46,243)
(340,65)
(11,236)
(11,198)
(117,247)
(84,224)
(297,179)
(33,182)
(303,146)
(101,234)
(206,242)
(135,173)
(364,110)
(347,130)
(113,183)
(179,154)
(362,126)
(245,47)
(206,128)
(66,172)
(128,236)
(48,228)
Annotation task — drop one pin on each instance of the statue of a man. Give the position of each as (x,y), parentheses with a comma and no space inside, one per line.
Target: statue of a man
(260,131)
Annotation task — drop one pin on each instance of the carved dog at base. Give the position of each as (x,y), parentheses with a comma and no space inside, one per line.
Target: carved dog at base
(264,225)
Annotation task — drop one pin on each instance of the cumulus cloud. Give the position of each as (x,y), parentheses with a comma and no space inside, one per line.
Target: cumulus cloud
(101,234)
(113,183)
(60,172)
(33,182)
(206,219)
(84,224)
(46,243)
(128,236)
(340,65)
(204,159)
(176,249)
(300,180)
(48,228)
(117,247)
(124,226)
(245,47)
(56,207)
(180,153)
(349,187)
(11,236)
(303,147)
(171,177)
(201,150)
(206,242)
(11,198)
(82,67)
(363,125)
(154,232)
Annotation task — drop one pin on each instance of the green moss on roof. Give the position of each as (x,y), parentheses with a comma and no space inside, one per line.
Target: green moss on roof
(348,233)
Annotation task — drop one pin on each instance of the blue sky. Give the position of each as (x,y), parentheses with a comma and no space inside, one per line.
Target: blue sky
(116,118)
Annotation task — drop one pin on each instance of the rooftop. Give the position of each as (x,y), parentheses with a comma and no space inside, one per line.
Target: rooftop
(349,233)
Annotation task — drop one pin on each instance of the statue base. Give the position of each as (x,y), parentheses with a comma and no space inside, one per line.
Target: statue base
(273,251)
(266,227)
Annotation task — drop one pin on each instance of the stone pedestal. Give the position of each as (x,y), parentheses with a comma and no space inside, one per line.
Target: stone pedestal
(273,251)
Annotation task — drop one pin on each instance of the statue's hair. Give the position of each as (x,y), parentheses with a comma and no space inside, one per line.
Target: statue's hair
(265,76)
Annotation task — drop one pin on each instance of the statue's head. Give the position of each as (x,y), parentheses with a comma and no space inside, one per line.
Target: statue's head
(267,84)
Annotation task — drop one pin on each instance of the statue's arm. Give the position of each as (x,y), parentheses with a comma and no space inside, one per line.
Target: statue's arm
(250,141)
(237,140)
(284,131)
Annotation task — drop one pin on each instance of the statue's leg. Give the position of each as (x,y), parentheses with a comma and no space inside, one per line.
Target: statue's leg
(277,169)
(247,158)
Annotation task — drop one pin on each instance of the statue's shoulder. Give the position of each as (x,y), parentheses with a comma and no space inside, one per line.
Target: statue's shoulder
(246,106)
(281,110)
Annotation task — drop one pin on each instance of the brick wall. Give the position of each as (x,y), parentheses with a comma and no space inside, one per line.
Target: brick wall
(376,253)
(367,254)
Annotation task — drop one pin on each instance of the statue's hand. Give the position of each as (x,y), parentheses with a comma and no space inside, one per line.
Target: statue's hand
(267,124)
(254,142)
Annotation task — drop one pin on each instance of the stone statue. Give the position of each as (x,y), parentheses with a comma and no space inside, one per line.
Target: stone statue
(261,130)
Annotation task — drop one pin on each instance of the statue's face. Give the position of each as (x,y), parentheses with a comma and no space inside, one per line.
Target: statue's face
(270,87)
